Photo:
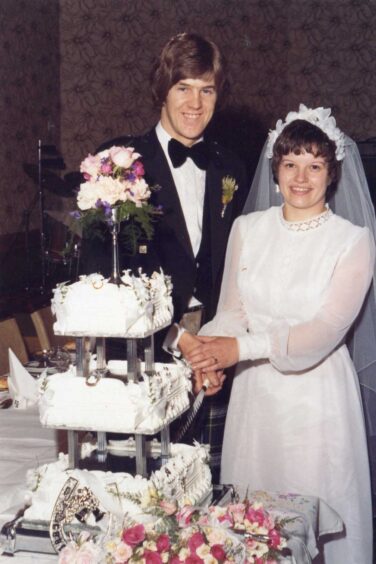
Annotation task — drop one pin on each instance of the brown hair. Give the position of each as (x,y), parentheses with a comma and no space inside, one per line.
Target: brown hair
(301,135)
(187,55)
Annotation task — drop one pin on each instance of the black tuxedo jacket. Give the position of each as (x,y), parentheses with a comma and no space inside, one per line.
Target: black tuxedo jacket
(171,248)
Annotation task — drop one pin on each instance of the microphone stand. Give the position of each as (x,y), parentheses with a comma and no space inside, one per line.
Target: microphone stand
(26,222)
(42,220)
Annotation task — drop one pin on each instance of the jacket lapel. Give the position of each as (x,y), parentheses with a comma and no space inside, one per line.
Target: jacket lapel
(156,166)
(219,226)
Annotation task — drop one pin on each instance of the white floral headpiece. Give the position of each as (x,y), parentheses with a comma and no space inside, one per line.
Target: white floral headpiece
(318,116)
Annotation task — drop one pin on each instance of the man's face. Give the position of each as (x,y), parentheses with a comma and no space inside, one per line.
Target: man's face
(188,108)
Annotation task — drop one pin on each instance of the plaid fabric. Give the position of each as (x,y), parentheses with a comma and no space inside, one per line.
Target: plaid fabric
(212,431)
(209,425)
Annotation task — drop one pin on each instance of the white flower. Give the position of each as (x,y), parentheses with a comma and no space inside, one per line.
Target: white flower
(203,550)
(318,116)
(87,196)
(106,188)
(139,192)
(216,535)
(257,549)
(150,545)
(183,554)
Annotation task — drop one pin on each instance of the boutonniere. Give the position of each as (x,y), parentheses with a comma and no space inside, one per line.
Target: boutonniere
(229,187)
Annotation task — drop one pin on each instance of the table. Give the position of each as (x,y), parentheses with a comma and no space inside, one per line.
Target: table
(24,444)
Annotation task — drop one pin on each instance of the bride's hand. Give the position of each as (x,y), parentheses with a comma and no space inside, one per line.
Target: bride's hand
(214,353)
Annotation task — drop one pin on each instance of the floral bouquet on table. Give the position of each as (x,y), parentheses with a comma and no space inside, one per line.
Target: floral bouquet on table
(115,190)
(242,533)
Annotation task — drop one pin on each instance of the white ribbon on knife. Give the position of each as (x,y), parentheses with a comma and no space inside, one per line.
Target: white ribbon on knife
(193,411)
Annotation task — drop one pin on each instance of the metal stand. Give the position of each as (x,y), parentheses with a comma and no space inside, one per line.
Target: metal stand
(83,347)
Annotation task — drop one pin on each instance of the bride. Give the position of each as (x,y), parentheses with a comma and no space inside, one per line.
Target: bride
(295,279)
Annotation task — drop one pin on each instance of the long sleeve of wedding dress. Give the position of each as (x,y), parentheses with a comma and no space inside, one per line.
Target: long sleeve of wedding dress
(299,346)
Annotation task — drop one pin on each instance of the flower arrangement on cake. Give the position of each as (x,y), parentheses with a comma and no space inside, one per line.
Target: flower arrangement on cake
(115,190)
(243,533)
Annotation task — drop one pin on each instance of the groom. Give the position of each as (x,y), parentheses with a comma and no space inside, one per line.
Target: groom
(203,187)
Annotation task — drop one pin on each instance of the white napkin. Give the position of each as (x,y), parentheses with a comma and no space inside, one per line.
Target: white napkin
(23,389)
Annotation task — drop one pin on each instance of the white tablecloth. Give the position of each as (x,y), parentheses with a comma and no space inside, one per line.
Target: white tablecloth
(24,444)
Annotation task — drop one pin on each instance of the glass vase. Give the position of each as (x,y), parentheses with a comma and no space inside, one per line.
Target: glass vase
(115,228)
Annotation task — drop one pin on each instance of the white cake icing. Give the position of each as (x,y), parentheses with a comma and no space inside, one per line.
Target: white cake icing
(186,478)
(111,405)
(95,307)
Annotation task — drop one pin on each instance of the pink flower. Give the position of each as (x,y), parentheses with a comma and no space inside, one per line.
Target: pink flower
(196,540)
(275,538)
(163,543)
(68,554)
(169,507)
(226,519)
(256,515)
(87,557)
(193,559)
(218,552)
(151,557)
(123,156)
(106,168)
(184,516)
(122,553)
(237,511)
(134,535)
(90,166)
(138,168)
(175,560)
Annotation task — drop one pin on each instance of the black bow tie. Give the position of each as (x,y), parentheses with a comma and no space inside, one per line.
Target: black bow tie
(199,153)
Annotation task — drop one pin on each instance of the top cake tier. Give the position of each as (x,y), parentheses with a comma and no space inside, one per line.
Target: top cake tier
(95,307)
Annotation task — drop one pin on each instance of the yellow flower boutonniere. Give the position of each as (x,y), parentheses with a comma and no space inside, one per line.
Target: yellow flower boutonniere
(229,187)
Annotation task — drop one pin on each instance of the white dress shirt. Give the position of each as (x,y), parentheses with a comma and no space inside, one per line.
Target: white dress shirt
(190,184)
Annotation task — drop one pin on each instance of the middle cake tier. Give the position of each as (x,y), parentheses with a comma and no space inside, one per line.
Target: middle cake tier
(116,405)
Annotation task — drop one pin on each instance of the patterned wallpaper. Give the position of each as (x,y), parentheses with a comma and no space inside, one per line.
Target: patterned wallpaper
(29,102)
(96,56)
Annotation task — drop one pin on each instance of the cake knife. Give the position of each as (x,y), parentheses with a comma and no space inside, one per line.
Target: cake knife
(193,411)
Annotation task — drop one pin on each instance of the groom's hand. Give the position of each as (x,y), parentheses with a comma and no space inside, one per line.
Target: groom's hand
(216,380)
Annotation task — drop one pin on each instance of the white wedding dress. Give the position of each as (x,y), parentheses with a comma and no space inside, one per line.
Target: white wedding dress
(290,293)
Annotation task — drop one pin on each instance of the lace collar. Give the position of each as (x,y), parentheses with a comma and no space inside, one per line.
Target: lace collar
(308,224)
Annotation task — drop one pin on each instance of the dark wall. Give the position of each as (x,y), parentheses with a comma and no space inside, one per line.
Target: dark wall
(29,101)
(280,53)
(76,72)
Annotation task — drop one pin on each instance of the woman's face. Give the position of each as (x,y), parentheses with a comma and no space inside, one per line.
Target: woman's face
(303,180)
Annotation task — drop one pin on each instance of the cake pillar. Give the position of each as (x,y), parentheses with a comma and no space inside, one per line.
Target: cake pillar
(132,367)
(141,455)
(82,357)
(149,355)
(165,444)
(73,449)
(101,368)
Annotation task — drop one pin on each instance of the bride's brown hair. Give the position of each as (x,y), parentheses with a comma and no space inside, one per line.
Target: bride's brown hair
(301,135)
